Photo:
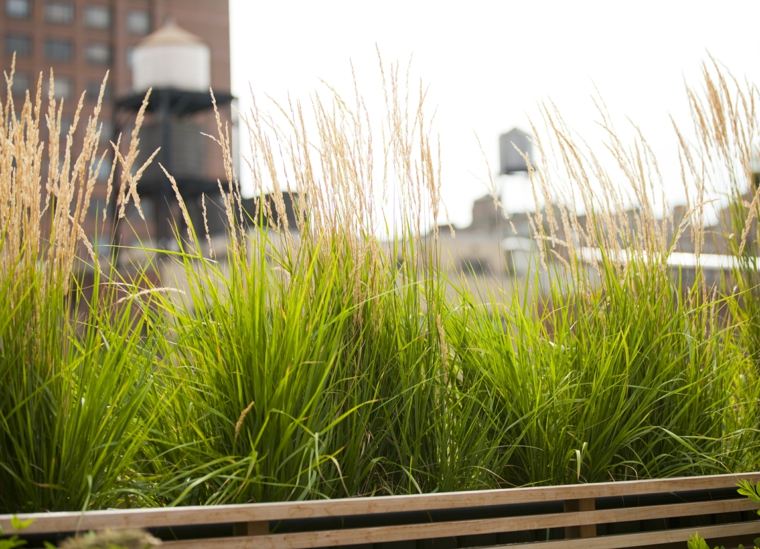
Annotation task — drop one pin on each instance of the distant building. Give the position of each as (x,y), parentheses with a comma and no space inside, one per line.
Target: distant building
(498,250)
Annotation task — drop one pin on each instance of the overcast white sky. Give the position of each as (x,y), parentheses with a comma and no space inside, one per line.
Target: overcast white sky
(489,63)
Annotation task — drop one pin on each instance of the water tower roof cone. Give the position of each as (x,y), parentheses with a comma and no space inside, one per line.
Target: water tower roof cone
(171,57)
(170,34)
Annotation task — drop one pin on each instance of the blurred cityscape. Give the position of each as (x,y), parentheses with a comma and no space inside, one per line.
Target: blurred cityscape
(180,48)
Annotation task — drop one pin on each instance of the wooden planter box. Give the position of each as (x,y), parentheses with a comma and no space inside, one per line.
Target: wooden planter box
(646,513)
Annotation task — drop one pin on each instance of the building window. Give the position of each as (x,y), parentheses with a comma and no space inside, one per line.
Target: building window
(97,17)
(62,87)
(18,8)
(58,50)
(20,44)
(93,90)
(138,22)
(20,83)
(59,12)
(130,55)
(98,53)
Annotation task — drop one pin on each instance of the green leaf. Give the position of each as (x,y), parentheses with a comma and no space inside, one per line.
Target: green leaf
(20,524)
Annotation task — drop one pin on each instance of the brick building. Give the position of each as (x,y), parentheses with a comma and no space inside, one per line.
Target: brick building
(82,39)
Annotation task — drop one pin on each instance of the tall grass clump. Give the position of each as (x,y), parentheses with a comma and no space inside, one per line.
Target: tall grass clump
(75,369)
(313,363)
(325,362)
(325,352)
(632,367)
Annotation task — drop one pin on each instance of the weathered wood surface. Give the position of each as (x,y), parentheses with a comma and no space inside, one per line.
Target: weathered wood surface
(251,522)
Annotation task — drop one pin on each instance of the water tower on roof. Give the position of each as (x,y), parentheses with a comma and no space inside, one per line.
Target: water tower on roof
(171,57)
(512,146)
(176,64)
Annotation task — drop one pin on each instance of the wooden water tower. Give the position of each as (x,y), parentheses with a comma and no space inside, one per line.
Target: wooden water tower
(176,65)
(512,146)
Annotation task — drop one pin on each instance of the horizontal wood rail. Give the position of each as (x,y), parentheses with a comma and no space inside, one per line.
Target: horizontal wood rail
(610,514)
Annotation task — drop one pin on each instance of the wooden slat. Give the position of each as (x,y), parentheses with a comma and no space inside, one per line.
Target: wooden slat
(642,538)
(586,530)
(404,532)
(607,542)
(258,512)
